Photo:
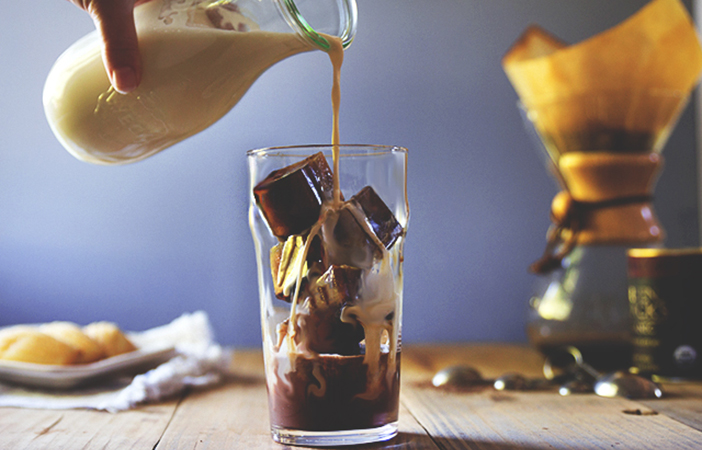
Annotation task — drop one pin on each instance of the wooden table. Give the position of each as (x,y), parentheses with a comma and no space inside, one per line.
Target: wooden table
(234,415)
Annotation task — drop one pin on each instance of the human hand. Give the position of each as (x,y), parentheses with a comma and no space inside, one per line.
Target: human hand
(114,20)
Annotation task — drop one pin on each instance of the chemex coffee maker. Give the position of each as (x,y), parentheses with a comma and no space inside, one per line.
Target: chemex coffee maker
(602,110)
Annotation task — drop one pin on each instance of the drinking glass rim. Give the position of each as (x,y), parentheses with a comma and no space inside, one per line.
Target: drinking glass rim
(345,150)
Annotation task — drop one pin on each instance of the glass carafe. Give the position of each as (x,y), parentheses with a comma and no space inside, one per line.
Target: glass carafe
(199,58)
(604,150)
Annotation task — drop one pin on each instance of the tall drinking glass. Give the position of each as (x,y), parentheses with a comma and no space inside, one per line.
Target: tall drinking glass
(330,287)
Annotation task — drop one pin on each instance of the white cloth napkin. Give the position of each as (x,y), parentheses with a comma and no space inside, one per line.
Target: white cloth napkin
(199,361)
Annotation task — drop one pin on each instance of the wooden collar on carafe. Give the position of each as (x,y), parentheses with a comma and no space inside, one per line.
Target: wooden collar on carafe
(601,185)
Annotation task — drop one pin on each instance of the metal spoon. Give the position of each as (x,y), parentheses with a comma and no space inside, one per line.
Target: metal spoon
(615,384)
(628,385)
(457,376)
(467,377)
(511,382)
(578,377)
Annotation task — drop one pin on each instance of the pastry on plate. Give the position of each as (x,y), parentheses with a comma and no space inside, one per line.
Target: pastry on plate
(109,337)
(71,334)
(28,344)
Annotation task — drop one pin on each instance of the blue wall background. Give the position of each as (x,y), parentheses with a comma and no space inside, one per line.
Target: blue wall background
(143,243)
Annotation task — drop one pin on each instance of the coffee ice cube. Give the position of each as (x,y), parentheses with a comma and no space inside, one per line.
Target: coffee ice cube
(321,325)
(381,219)
(291,198)
(339,285)
(286,259)
(351,242)
(360,229)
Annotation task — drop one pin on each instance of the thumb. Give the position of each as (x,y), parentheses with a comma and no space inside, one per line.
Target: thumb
(114,20)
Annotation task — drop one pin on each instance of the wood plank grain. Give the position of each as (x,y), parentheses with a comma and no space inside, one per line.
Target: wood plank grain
(490,419)
(29,429)
(236,416)
(682,402)
(232,416)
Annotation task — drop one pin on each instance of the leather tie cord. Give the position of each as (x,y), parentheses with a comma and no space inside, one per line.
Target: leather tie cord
(558,246)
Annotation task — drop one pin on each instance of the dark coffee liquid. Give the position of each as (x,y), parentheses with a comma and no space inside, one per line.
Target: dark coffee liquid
(330,392)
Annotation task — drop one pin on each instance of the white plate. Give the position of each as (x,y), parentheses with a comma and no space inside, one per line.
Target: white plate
(65,377)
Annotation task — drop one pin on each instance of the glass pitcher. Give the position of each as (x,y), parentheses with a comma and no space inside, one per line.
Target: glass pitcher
(604,150)
(199,58)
